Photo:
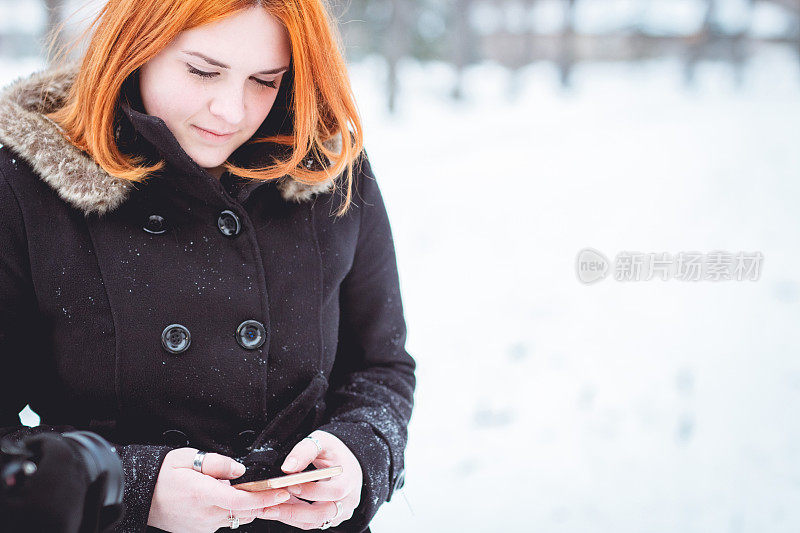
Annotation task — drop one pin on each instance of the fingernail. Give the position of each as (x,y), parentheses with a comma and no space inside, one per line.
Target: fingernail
(238,469)
(271,513)
(290,464)
(294,490)
(282,497)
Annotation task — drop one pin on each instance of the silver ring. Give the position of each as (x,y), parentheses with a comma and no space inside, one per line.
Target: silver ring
(197,464)
(327,523)
(338,511)
(315,441)
(233,521)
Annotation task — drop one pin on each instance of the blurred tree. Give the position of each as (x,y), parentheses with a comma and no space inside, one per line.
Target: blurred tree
(463,43)
(462,32)
(398,44)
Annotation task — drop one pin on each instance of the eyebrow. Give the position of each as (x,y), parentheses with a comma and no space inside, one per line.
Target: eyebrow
(223,65)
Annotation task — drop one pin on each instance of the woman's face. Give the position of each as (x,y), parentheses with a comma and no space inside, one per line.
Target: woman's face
(220,78)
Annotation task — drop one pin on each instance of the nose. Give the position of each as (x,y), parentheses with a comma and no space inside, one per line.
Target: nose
(228,104)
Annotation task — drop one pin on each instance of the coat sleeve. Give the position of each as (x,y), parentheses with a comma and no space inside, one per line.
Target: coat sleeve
(373,382)
(18,360)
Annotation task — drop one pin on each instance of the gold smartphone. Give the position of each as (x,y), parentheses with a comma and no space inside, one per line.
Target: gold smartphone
(290,479)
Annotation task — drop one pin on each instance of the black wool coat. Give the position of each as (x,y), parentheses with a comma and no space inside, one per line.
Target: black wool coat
(233,316)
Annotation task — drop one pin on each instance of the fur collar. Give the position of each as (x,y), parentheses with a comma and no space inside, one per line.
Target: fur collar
(71,172)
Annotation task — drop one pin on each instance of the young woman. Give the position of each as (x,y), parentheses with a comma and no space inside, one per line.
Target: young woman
(197,264)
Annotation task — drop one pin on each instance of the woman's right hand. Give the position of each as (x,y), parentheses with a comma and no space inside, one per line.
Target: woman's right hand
(194,502)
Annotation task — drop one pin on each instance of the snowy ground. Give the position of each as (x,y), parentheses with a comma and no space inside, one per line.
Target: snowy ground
(548,405)
(544,404)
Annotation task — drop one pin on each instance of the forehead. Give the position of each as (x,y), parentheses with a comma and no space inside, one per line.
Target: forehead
(251,40)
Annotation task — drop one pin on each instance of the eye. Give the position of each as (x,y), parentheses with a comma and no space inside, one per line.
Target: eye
(201,73)
(267,83)
(207,75)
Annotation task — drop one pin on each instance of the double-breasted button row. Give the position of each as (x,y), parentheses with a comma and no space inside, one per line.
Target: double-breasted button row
(243,442)
(228,223)
(251,335)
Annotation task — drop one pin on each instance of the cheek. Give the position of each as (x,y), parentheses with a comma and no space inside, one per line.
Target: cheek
(261,106)
(171,100)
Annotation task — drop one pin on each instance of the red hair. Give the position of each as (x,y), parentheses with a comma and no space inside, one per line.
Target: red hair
(319,99)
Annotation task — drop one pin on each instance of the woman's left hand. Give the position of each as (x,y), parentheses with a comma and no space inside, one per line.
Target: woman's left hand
(344,488)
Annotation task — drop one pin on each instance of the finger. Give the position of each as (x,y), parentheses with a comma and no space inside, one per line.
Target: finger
(301,455)
(302,513)
(212,492)
(328,490)
(245,516)
(245,520)
(214,464)
(301,525)
(344,515)
(222,467)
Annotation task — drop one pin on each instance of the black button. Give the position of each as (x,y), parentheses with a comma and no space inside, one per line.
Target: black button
(155,224)
(228,223)
(175,438)
(251,334)
(175,338)
(244,441)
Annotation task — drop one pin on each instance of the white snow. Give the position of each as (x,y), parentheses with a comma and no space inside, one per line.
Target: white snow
(547,405)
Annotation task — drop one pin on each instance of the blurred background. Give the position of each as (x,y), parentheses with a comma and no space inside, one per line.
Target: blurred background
(507,136)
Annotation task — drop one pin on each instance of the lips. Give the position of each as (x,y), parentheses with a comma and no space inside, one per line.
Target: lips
(211,136)
(216,132)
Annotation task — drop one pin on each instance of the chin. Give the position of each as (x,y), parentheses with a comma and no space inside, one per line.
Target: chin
(207,162)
